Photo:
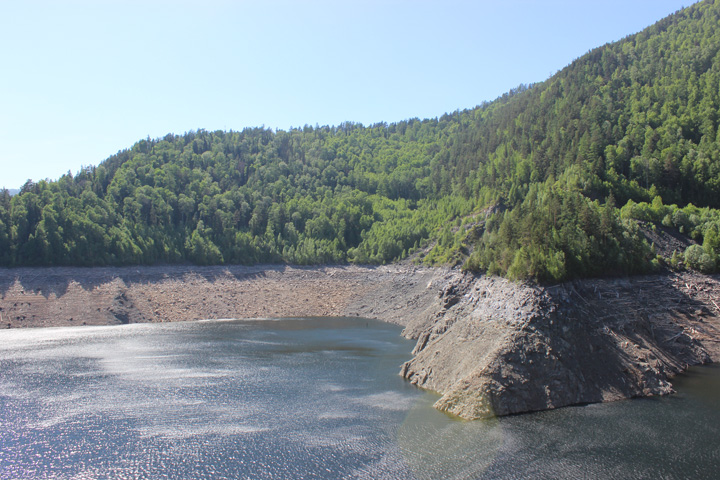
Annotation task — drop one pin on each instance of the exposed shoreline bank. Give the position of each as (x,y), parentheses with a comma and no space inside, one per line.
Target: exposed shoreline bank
(68,296)
(489,346)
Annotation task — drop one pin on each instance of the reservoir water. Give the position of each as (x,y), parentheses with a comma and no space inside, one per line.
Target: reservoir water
(306,398)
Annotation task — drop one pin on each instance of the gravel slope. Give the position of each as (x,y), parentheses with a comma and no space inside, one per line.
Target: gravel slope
(43,297)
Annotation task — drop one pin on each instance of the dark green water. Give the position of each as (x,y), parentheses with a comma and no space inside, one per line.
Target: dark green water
(306,398)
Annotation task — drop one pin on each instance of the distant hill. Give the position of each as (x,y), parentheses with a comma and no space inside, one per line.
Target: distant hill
(527,186)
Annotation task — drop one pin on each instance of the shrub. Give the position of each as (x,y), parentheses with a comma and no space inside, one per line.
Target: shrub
(697,259)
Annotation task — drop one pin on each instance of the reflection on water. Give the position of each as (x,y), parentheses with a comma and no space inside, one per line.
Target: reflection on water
(306,398)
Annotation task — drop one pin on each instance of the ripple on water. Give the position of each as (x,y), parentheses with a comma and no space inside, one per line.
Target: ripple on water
(294,399)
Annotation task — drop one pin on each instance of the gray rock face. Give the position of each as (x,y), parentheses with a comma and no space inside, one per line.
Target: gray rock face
(493,347)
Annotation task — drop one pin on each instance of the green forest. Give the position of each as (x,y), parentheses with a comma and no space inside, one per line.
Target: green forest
(552,181)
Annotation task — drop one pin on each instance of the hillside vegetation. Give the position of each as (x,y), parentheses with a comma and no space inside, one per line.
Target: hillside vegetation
(547,182)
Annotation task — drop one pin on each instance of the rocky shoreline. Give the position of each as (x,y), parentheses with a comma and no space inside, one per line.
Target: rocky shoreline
(488,346)
(498,348)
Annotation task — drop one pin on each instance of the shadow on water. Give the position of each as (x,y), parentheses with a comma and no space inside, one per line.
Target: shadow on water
(672,437)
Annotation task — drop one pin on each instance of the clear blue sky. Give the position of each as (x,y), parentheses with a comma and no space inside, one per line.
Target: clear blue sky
(83,79)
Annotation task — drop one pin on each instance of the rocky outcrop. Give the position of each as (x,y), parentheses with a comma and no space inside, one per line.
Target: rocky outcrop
(493,347)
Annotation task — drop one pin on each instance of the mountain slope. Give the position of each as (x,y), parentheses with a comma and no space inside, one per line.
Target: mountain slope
(527,186)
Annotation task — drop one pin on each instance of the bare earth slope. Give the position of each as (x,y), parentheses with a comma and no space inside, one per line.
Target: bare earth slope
(42,297)
(489,346)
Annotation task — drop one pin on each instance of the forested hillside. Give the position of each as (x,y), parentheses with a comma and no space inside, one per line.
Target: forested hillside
(527,186)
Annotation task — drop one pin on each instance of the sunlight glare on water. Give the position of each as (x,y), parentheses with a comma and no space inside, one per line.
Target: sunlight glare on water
(305,398)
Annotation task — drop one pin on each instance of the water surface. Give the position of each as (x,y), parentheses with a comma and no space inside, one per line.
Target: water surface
(305,398)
